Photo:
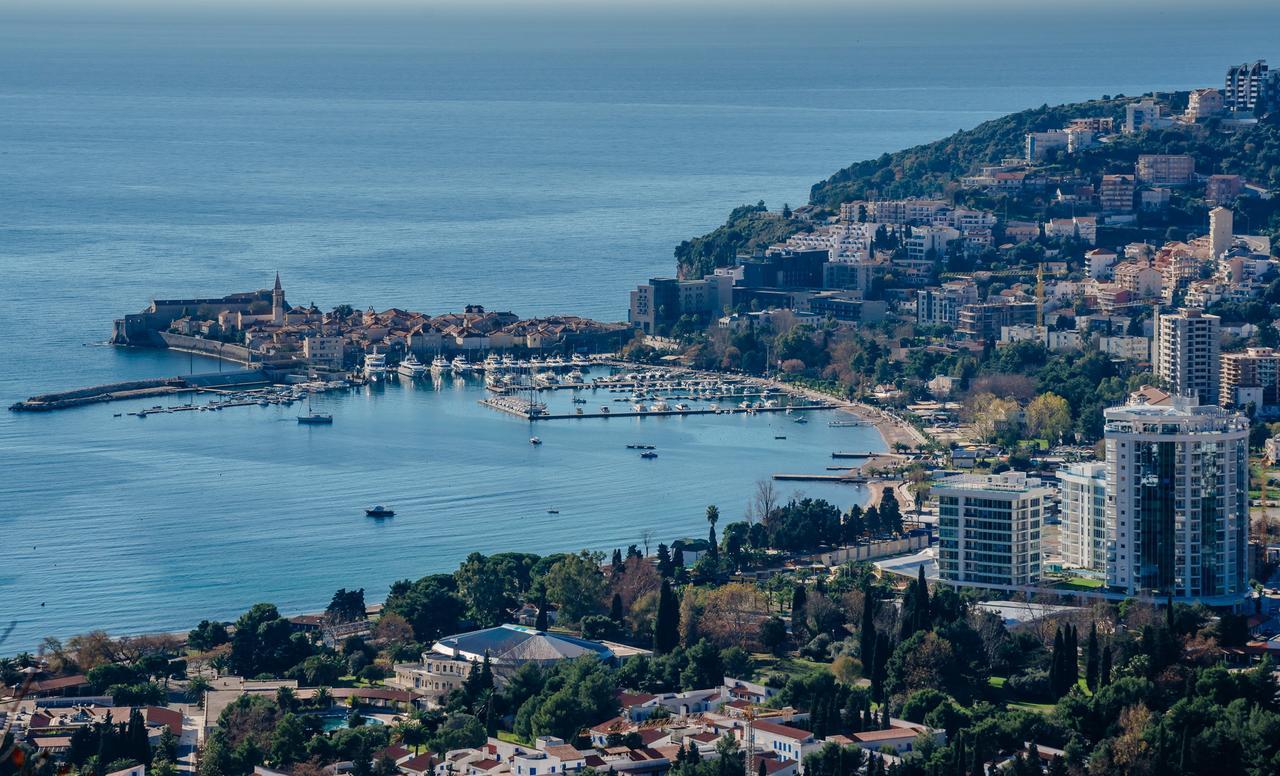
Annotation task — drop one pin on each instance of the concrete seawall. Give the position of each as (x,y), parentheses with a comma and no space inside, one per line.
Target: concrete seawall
(136,389)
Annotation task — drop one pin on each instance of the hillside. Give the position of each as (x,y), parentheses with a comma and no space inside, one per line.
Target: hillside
(934,169)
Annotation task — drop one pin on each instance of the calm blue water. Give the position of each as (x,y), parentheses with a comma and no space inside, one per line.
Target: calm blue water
(429,161)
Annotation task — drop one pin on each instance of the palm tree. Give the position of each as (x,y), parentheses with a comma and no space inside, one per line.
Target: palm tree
(413,734)
(196,688)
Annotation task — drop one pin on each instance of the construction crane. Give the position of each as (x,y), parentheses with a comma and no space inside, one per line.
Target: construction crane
(1040,297)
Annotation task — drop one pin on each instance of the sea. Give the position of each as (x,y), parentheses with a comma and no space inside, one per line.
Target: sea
(535,160)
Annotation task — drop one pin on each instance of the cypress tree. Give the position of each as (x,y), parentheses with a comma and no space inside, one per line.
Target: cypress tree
(664,561)
(907,625)
(543,622)
(666,627)
(924,620)
(1104,673)
(799,599)
(867,632)
(1055,665)
(1091,660)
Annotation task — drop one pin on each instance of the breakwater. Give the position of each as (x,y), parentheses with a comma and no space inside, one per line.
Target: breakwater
(136,389)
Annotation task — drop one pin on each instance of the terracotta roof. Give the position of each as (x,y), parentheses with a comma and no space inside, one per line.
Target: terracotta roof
(421,763)
(884,735)
(781,730)
(61,683)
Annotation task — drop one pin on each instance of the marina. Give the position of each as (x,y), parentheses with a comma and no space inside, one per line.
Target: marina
(274,509)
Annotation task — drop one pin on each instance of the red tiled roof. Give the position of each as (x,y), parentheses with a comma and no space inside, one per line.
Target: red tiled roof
(884,735)
(421,763)
(781,730)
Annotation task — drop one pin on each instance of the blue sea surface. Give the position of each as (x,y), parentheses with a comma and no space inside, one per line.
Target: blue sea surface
(427,162)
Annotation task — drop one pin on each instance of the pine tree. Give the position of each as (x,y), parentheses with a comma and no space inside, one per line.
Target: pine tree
(1091,660)
(666,627)
(1104,673)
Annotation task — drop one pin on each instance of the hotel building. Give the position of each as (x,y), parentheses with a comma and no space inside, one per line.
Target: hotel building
(1177,510)
(989,528)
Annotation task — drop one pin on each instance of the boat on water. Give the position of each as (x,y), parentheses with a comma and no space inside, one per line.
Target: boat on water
(411,367)
(648,455)
(379,511)
(535,441)
(375,366)
(316,419)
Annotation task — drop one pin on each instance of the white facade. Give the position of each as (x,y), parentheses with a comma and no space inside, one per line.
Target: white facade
(989,528)
(1177,510)
(1084,515)
(1188,353)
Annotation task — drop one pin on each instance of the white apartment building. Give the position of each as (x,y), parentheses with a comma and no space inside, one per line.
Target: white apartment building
(1177,509)
(1084,515)
(942,305)
(924,239)
(1187,353)
(989,528)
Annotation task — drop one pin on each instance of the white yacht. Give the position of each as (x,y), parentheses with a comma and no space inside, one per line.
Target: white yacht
(375,365)
(411,367)
(439,363)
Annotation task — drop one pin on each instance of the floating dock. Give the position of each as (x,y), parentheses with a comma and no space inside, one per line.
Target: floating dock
(519,412)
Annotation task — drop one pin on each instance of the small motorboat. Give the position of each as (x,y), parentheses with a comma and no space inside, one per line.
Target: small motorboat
(379,511)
